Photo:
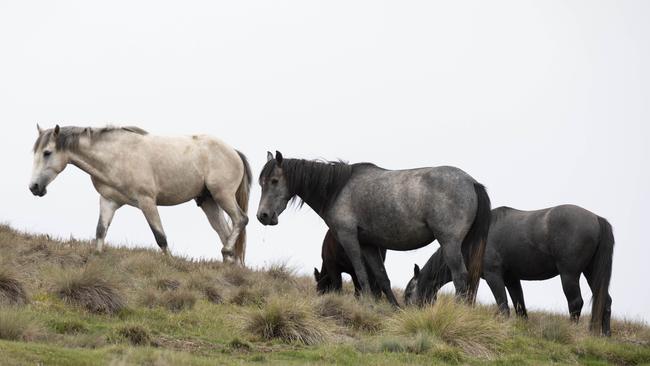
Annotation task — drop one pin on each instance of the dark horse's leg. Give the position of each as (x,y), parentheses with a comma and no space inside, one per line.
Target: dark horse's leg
(517,295)
(373,258)
(495,281)
(607,313)
(571,287)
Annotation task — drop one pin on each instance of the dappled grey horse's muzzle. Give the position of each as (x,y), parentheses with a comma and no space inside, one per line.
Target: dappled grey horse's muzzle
(268,219)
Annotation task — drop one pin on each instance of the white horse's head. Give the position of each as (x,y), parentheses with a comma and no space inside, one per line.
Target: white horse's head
(49,160)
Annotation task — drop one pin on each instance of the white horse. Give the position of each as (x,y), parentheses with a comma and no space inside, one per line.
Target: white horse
(130,167)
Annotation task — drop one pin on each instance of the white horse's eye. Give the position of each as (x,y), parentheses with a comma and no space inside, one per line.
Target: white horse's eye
(47,153)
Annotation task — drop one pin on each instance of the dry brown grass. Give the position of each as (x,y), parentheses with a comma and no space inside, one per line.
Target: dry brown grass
(16,326)
(94,289)
(12,291)
(367,316)
(175,301)
(289,321)
(475,330)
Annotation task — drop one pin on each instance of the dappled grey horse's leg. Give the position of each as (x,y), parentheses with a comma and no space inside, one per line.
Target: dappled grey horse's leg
(571,287)
(150,211)
(454,259)
(350,243)
(495,281)
(372,257)
(107,210)
(517,295)
(214,213)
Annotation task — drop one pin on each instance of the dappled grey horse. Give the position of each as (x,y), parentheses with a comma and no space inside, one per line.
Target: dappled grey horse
(389,209)
(128,166)
(536,245)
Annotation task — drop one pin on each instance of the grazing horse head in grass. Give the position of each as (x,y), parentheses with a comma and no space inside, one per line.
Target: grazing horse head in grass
(128,166)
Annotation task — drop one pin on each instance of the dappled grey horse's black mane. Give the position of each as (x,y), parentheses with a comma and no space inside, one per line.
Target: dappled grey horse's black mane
(68,138)
(317,182)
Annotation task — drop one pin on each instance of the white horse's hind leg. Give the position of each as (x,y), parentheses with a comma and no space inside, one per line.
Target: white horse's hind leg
(218,222)
(107,210)
(239,222)
(150,211)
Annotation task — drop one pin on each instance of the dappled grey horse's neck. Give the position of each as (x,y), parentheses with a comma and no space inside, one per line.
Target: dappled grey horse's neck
(433,276)
(316,183)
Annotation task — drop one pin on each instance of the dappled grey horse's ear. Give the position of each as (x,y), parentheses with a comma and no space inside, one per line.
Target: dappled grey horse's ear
(416,271)
(269,156)
(278,157)
(57,129)
(40,130)
(316,274)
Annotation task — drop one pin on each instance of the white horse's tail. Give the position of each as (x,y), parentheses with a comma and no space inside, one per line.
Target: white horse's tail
(242,196)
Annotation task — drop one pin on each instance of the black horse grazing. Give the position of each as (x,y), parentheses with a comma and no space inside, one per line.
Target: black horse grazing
(386,209)
(336,262)
(536,245)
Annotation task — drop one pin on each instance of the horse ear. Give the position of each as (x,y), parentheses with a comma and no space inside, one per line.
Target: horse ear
(57,129)
(278,157)
(416,271)
(316,274)
(269,156)
(40,130)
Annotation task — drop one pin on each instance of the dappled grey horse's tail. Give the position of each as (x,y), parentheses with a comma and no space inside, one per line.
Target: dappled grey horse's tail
(601,267)
(476,240)
(242,196)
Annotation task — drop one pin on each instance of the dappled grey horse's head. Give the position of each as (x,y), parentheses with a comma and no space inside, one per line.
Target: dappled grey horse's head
(411,291)
(49,160)
(275,191)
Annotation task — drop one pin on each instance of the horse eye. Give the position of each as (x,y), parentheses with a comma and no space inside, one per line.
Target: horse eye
(274,181)
(47,153)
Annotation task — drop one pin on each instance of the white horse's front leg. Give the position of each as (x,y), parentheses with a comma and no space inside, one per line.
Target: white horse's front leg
(107,210)
(150,211)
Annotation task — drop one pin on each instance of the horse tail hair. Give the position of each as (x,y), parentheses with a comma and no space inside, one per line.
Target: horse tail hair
(476,240)
(242,196)
(601,266)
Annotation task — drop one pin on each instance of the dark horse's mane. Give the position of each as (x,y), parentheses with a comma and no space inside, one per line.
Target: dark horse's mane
(68,137)
(316,182)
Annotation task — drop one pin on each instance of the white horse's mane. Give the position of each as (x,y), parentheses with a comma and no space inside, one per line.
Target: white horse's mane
(68,137)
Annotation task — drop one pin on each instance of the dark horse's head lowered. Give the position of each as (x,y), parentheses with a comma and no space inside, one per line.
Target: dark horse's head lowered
(316,183)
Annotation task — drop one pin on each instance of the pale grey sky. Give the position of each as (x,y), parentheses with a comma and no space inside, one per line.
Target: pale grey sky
(544,102)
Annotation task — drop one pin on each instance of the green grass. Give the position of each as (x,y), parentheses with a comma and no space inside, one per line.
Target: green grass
(178,311)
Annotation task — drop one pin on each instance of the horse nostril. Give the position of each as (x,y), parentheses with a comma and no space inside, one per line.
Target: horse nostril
(34,187)
(264,215)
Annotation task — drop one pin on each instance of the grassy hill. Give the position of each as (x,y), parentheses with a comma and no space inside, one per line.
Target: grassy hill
(62,304)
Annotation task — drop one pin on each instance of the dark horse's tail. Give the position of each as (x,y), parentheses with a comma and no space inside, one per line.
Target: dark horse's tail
(601,267)
(476,240)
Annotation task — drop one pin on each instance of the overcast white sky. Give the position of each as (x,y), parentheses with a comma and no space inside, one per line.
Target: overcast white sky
(545,102)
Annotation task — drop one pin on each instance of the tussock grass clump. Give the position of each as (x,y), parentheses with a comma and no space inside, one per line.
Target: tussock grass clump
(287,320)
(175,301)
(213,294)
(166,284)
(16,326)
(281,272)
(137,335)
(554,328)
(237,276)
(12,291)
(247,296)
(350,312)
(93,289)
(476,331)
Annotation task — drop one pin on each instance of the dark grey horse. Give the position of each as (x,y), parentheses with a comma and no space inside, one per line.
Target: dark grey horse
(390,209)
(536,245)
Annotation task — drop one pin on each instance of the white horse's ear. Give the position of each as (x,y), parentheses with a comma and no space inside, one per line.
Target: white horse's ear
(57,129)
(278,157)
(40,130)
(269,156)
(416,271)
